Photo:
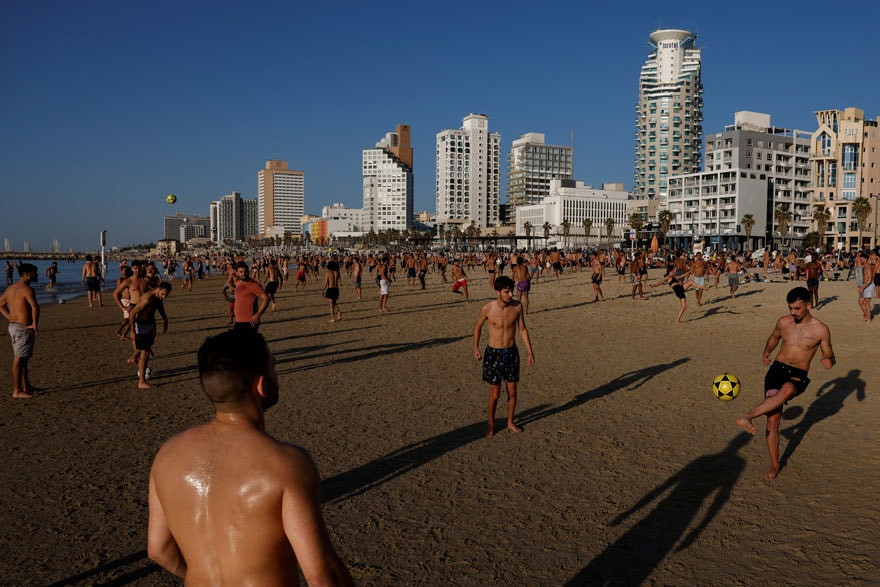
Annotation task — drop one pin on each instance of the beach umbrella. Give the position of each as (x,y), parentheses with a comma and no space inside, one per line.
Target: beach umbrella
(655,245)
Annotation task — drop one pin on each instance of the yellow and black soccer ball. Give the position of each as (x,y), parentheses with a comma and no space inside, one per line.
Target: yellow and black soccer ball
(726,386)
(171,199)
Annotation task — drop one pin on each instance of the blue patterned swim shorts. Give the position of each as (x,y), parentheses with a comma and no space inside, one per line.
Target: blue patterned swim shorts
(500,364)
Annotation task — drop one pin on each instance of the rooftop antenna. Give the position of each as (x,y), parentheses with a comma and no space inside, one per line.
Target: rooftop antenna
(277,156)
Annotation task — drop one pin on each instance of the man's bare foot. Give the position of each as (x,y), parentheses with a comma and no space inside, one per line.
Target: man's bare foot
(331,321)
(513,427)
(746,425)
(490,433)
(22,394)
(131,360)
(771,474)
(144,386)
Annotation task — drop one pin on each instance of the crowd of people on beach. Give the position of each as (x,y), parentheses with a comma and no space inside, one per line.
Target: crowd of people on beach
(237,370)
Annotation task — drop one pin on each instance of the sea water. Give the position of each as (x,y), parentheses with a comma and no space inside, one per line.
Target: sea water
(68,284)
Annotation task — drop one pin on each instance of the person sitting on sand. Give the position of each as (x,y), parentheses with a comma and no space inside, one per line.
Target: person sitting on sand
(801,335)
(501,361)
(229,504)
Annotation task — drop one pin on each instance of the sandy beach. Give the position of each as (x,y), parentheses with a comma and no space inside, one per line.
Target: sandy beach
(628,471)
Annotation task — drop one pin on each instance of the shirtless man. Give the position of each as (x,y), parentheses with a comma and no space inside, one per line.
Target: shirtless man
(410,263)
(52,274)
(330,289)
(91,278)
(459,280)
(273,281)
(128,292)
(423,269)
(866,291)
(262,515)
(801,335)
(189,272)
(814,273)
(356,270)
(501,361)
(18,304)
(143,327)
(523,282)
(555,262)
(732,268)
(699,269)
(384,282)
(596,277)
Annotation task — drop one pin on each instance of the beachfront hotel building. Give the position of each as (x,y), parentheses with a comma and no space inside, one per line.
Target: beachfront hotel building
(281,198)
(669,113)
(388,182)
(845,152)
(575,202)
(531,165)
(468,174)
(233,219)
(708,206)
(173,224)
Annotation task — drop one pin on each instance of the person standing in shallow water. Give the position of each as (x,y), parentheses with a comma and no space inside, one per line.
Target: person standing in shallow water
(801,335)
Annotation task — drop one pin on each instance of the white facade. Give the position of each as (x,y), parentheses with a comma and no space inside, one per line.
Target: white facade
(388,184)
(709,206)
(233,218)
(573,201)
(469,173)
(532,164)
(347,220)
(669,112)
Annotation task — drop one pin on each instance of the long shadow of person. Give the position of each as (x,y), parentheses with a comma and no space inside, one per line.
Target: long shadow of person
(634,556)
(830,401)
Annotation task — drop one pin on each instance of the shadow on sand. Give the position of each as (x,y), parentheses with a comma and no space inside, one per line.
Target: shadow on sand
(632,558)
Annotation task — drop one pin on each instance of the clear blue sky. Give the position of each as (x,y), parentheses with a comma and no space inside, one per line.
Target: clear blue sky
(109,106)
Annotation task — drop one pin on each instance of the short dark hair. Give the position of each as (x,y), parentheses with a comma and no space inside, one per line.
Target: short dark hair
(164,285)
(241,264)
(27,268)
(229,362)
(503,282)
(332,266)
(798,294)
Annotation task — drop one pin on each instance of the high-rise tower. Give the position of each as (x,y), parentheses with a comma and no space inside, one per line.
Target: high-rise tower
(281,196)
(469,173)
(388,182)
(531,166)
(669,122)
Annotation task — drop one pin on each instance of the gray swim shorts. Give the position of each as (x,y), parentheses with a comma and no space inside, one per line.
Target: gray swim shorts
(22,340)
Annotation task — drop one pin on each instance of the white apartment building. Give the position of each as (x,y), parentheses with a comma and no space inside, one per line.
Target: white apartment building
(779,156)
(388,182)
(707,208)
(469,174)
(281,197)
(350,221)
(233,219)
(573,201)
(532,164)
(669,112)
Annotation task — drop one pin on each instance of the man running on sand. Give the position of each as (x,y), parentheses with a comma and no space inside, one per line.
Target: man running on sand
(501,360)
(18,304)
(801,335)
(229,504)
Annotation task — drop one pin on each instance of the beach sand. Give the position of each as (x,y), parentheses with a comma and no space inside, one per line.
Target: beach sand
(628,468)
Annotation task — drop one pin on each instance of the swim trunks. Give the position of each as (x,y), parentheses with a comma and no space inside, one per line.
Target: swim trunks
(187,277)
(411,272)
(271,288)
(523,286)
(868,292)
(459,283)
(701,281)
(332,293)
(621,269)
(22,340)
(500,364)
(779,374)
(383,287)
(812,283)
(877,278)
(597,278)
(356,281)
(679,290)
(732,279)
(557,266)
(635,278)
(144,335)
(93,284)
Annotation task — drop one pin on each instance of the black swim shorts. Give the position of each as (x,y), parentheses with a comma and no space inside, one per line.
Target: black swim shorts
(500,364)
(779,374)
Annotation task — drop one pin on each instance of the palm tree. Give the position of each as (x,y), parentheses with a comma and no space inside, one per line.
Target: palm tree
(861,207)
(609,229)
(546,227)
(665,218)
(822,216)
(636,223)
(528,228)
(748,222)
(566,230)
(782,214)
(588,225)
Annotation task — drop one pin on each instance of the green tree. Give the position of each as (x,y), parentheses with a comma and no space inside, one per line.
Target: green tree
(546,227)
(822,216)
(783,215)
(609,229)
(861,207)
(665,218)
(566,230)
(588,226)
(748,223)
